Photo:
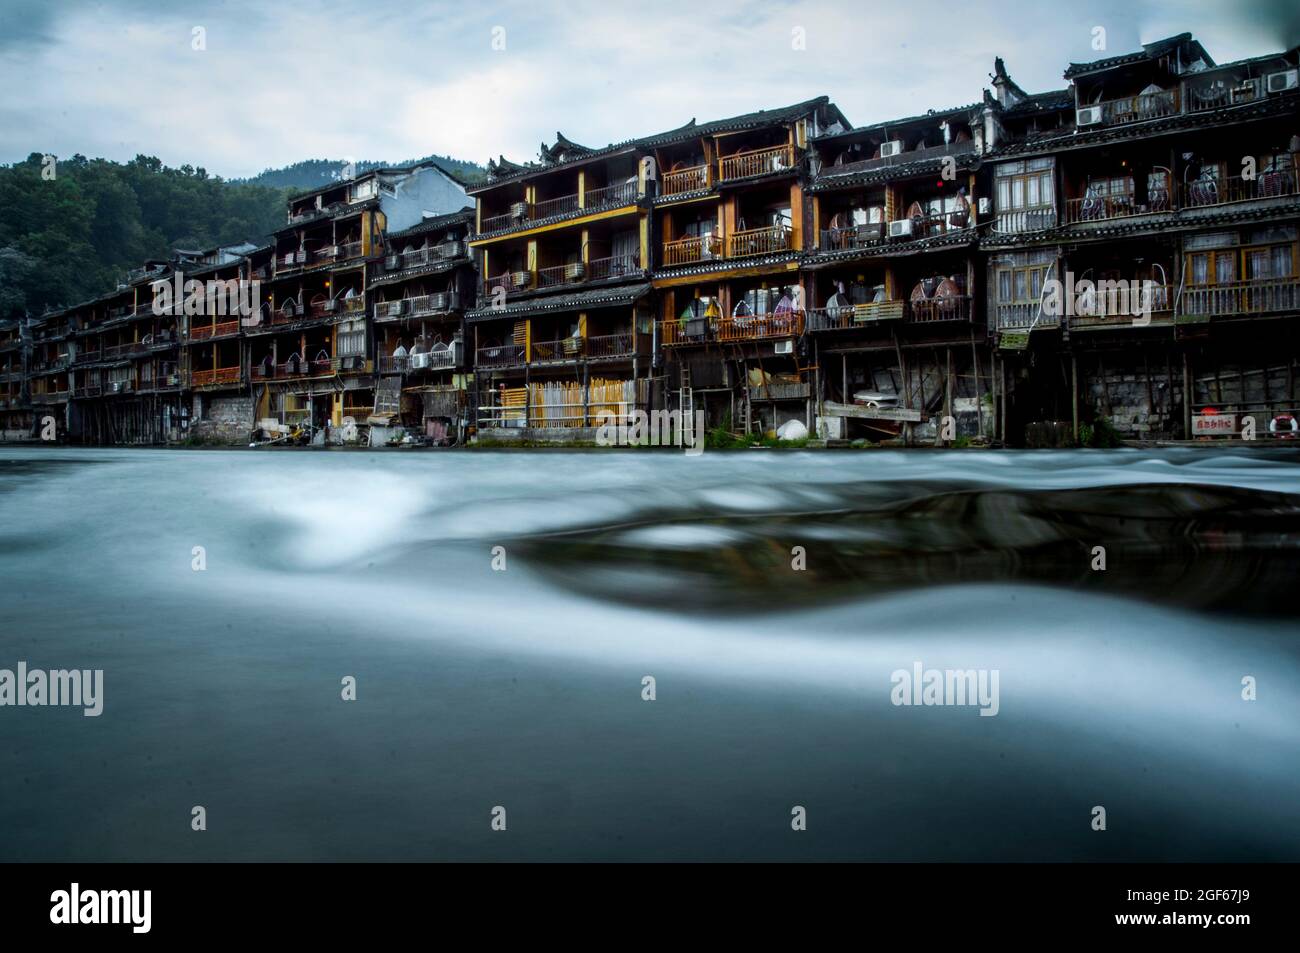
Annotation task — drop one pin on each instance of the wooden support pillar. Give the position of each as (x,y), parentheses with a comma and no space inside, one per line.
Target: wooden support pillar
(1187,397)
(1074,394)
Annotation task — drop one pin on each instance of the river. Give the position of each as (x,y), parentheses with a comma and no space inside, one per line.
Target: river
(500,611)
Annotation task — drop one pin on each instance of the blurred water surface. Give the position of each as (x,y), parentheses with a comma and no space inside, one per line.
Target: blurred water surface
(522,688)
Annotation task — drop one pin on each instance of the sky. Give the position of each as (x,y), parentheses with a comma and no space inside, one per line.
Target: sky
(237,86)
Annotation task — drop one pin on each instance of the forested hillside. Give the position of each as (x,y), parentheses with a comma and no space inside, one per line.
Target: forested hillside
(66,238)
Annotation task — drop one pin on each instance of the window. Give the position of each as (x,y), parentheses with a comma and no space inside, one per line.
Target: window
(1270,261)
(1022,284)
(1212,267)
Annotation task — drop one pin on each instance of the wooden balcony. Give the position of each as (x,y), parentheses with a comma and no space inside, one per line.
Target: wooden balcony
(1206,193)
(688,251)
(694,179)
(759,241)
(1100,208)
(501,355)
(676,331)
(522,214)
(1266,296)
(1120,308)
(1140,108)
(852,236)
(222,375)
(940,308)
(1018,221)
(609,345)
(203,331)
(753,162)
(1021,315)
(847,317)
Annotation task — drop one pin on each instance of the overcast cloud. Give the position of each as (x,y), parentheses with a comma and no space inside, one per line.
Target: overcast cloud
(284,81)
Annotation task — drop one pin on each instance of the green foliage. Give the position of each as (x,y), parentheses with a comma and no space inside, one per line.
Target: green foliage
(720,438)
(66,239)
(1100,435)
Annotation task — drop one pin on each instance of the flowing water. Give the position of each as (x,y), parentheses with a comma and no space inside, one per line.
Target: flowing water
(522,687)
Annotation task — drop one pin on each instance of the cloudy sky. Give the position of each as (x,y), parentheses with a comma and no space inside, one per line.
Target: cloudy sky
(281,80)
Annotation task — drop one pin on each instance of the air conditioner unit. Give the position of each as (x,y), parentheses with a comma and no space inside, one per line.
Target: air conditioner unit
(450,249)
(420,360)
(893,147)
(519,210)
(901,228)
(392,263)
(330,305)
(985,206)
(1281,82)
(116,387)
(438,302)
(300,256)
(394,308)
(1088,116)
(784,347)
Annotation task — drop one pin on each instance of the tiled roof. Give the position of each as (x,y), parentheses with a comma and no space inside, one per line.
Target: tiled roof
(934,115)
(1149,51)
(602,298)
(516,172)
(436,223)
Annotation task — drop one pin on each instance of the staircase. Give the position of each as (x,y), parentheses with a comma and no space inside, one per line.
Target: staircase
(686,396)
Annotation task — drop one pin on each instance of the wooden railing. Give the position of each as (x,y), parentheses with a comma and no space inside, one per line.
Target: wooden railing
(759,241)
(610,196)
(685,251)
(1241,297)
(845,317)
(693,179)
(1138,108)
(1131,304)
(222,375)
(1217,97)
(752,162)
(852,236)
(1019,315)
(204,331)
(561,349)
(748,328)
(609,345)
(1225,191)
(1098,208)
(612,267)
(557,206)
(501,355)
(940,308)
(1033,219)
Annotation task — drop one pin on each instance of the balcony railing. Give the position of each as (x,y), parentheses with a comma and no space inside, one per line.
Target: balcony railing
(1019,315)
(560,275)
(222,375)
(1135,303)
(843,238)
(693,179)
(1098,208)
(686,251)
(759,241)
(437,303)
(203,331)
(1217,97)
(846,317)
(615,266)
(1140,108)
(563,205)
(1242,297)
(1230,189)
(561,349)
(1033,219)
(440,360)
(940,308)
(592,200)
(747,328)
(752,162)
(610,196)
(610,345)
(501,355)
